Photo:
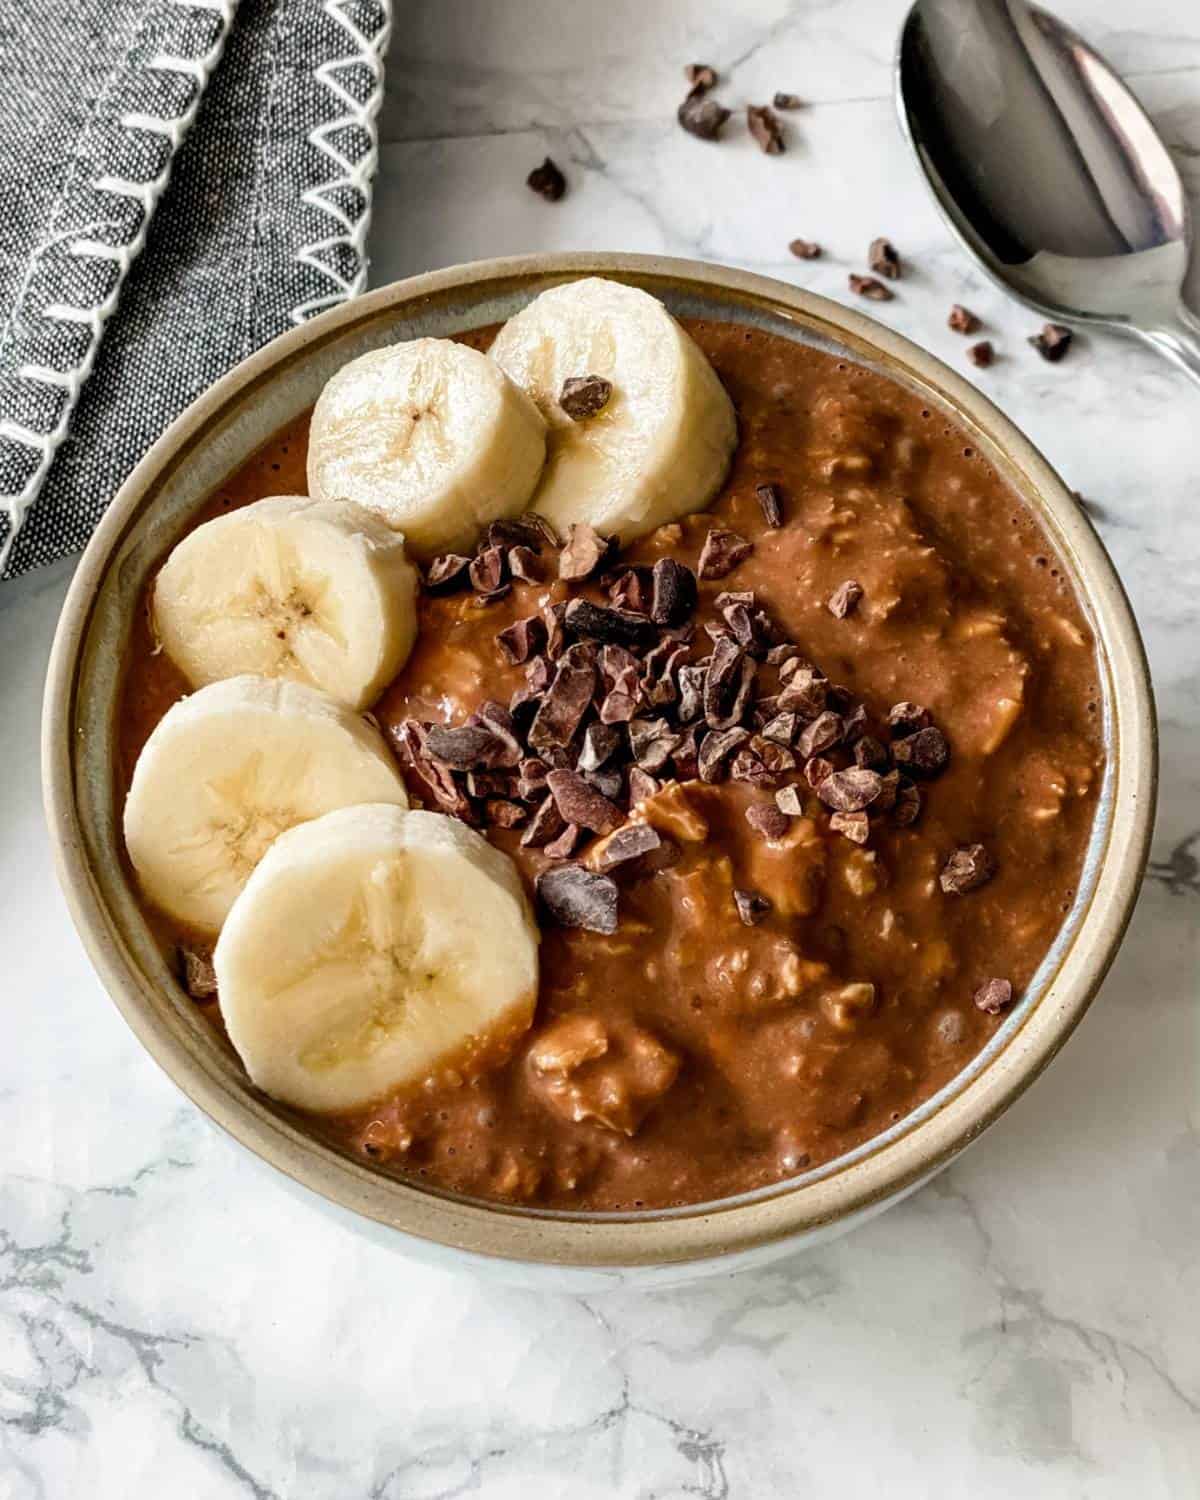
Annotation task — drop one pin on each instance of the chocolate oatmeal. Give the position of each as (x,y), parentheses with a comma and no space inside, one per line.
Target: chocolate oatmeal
(800,786)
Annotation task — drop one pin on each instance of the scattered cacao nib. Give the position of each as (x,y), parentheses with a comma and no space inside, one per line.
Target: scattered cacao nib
(925,751)
(600,743)
(727,685)
(721,553)
(884,259)
(470,746)
(652,742)
(531,778)
(522,564)
(631,590)
(766,128)
(482,784)
(701,76)
(844,599)
(597,622)
(855,826)
(766,820)
(608,781)
(962,319)
(642,786)
(816,769)
(197,972)
(547,181)
(582,804)
(747,766)
(522,639)
(770,498)
(716,749)
(488,570)
(805,249)
(494,716)
(967,869)
(435,775)
(789,801)
(803,692)
(633,841)
(870,752)
(566,843)
(546,824)
(556,638)
(981,354)
(691,693)
(517,531)
(686,755)
(854,723)
(566,700)
(781,728)
(889,789)
(702,117)
(774,756)
(994,996)
(794,662)
(909,717)
(582,396)
(869,287)
(503,813)
(574,897)
(822,734)
(539,674)
(779,655)
(751,907)
(448,572)
(673,596)
(849,791)
(788,101)
(585,550)
(1053,342)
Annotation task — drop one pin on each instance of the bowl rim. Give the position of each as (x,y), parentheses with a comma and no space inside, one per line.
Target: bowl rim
(699,1232)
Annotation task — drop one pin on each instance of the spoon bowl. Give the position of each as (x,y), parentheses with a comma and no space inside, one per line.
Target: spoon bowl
(1047,168)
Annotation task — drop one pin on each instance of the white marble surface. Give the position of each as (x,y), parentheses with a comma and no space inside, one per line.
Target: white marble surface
(173,1324)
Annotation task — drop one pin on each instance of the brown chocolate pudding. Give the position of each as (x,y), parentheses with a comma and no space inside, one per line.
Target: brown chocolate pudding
(795,962)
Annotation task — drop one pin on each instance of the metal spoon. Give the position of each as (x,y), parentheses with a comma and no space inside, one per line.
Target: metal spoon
(1048,168)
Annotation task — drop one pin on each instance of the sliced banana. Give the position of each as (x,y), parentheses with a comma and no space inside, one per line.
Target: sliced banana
(660,447)
(431,436)
(312,590)
(230,768)
(368,947)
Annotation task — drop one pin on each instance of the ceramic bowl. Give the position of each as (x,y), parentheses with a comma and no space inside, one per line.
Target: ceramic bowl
(209,442)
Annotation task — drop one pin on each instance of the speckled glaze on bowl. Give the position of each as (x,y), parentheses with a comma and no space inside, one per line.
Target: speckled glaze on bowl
(568,1250)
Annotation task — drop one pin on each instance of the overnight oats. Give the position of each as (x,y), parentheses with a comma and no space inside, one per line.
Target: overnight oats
(601,764)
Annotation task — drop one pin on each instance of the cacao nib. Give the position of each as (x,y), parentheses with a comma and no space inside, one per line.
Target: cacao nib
(994,996)
(822,734)
(633,841)
(547,181)
(962,319)
(908,804)
(615,626)
(522,639)
(546,824)
(926,751)
(766,128)
(1053,342)
(715,750)
(844,599)
(967,869)
(652,742)
(855,826)
(789,801)
(751,907)
(522,564)
(770,498)
(197,972)
(870,752)
(503,813)
(781,728)
(600,743)
(908,717)
(721,553)
(566,700)
(470,746)
(702,117)
(582,396)
(582,804)
(849,791)
(585,550)
(642,785)
(766,820)
(674,592)
(448,572)
(575,897)
(867,286)
(884,258)
(488,570)
(727,685)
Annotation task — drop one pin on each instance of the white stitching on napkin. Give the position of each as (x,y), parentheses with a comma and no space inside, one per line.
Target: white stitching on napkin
(349,173)
(146,195)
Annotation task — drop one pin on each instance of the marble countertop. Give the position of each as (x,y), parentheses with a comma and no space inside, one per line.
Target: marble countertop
(173,1323)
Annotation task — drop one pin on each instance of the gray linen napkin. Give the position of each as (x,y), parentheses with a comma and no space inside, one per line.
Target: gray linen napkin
(181,180)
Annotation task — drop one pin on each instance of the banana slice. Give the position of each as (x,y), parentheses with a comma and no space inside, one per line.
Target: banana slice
(229,769)
(431,436)
(660,447)
(368,947)
(316,591)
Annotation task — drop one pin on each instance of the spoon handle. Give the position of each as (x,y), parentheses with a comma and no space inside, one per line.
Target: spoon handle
(1178,340)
